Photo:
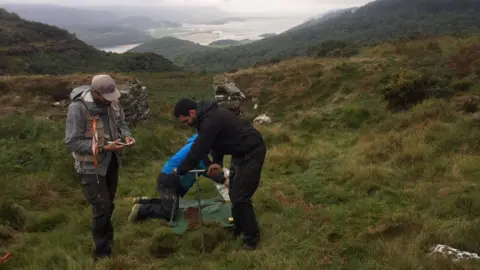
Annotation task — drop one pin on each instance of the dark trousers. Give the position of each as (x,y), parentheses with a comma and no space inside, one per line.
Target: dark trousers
(100,194)
(162,207)
(243,184)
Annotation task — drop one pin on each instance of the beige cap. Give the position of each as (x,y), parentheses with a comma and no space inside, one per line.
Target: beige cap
(106,86)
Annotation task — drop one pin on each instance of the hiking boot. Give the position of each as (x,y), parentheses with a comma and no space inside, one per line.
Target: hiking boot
(134,214)
(138,200)
(98,257)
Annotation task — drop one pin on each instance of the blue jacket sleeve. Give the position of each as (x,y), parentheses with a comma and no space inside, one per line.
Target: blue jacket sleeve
(180,156)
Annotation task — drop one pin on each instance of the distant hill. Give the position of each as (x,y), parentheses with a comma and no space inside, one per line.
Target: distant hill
(28,47)
(94,27)
(375,22)
(267,35)
(108,36)
(229,42)
(225,20)
(60,15)
(165,12)
(171,48)
(323,17)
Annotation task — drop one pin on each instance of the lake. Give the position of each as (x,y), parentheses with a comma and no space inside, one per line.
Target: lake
(120,48)
(205,34)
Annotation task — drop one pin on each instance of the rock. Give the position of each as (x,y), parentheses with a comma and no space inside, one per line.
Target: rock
(262,119)
(62,103)
(453,253)
(227,94)
(134,101)
(17,101)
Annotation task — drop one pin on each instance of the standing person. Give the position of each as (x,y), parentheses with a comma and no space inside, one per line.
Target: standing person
(94,119)
(226,134)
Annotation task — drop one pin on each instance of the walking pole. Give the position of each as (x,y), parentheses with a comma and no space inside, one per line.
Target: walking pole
(202,229)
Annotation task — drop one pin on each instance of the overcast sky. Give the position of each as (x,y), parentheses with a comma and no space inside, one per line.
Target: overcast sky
(234,6)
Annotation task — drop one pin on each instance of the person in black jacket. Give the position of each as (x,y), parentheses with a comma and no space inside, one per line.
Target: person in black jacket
(223,133)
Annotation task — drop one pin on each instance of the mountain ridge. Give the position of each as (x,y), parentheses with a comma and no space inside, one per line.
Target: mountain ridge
(28,47)
(374,22)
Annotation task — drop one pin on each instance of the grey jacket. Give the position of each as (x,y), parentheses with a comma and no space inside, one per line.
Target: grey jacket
(77,125)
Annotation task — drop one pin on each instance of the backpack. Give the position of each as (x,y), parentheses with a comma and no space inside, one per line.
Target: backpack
(227,94)
(78,91)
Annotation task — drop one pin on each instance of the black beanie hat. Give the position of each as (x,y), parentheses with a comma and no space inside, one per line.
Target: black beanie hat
(183,106)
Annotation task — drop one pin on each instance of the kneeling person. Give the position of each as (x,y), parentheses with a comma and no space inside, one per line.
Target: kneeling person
(171,186)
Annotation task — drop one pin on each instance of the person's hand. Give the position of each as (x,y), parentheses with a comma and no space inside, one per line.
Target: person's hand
(174,172)
(214,170)
(227,182)
(129,140)
(114,146)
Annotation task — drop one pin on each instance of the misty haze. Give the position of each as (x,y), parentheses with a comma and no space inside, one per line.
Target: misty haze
(121,27)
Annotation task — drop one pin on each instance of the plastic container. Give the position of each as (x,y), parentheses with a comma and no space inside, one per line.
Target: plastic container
(222,189)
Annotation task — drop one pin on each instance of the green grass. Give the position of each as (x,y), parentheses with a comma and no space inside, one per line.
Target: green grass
(348,183)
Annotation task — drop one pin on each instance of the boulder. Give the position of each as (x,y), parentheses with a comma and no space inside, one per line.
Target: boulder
(227,94)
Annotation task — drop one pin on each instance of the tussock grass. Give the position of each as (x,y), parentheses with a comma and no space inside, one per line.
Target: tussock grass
(348,183)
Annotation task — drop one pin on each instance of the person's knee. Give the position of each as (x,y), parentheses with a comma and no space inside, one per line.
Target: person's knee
(102,209)
(241,201)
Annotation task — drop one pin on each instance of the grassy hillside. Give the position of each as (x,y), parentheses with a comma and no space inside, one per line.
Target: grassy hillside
(35,48)
(171,48)
(375,22)
(372,160)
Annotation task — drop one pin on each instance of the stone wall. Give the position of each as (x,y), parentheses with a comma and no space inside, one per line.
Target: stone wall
(134,101)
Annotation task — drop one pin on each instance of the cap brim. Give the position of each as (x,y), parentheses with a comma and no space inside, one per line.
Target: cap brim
(112,96)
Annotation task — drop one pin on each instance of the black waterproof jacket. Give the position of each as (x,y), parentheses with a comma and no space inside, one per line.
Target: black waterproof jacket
(223,133)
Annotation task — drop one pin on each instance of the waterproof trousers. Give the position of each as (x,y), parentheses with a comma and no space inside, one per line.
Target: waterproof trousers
(243,184)
(100,194)
(162,207)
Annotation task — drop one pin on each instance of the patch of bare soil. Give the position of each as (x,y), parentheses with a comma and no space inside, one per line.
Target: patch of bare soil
(192,215)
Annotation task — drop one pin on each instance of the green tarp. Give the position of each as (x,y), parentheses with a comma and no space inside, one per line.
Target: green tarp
(213,210)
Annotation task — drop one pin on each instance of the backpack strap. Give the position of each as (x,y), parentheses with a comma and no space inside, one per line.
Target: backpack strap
(88,117)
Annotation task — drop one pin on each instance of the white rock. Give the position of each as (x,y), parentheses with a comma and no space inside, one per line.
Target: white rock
(453,252)
(262,119)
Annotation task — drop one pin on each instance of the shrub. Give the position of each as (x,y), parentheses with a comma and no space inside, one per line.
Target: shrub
(354,117)
(45,222)
(12,215)
(333,48)
(408,87)
(465,83)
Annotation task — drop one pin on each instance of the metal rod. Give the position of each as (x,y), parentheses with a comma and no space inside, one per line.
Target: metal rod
(174,209)
(200,212)
(197,171)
